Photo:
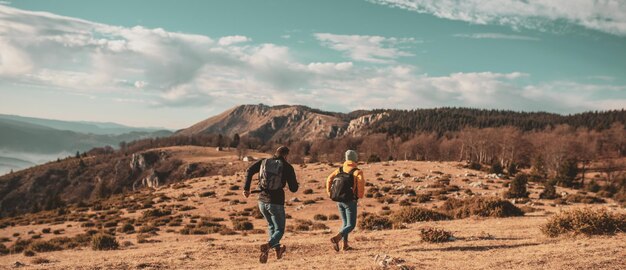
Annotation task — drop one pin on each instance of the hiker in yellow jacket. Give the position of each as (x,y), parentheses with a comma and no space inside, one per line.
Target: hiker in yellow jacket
(345,186)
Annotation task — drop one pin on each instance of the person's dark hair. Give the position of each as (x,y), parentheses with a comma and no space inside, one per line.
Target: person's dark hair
(282,151)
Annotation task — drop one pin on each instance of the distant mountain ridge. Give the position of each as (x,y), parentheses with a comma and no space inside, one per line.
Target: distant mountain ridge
(34,140)
(296,122)
(99,128)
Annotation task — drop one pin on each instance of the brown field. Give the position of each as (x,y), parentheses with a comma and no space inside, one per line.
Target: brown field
(480,243)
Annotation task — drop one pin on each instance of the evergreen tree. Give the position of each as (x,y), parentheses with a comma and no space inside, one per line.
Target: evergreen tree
(567,172)
(517,187)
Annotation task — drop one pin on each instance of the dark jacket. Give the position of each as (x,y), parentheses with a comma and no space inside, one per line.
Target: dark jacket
(273,196)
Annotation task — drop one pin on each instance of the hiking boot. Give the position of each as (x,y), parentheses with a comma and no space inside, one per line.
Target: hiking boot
(280,251)
(265,249)
(345,246)
(335,241)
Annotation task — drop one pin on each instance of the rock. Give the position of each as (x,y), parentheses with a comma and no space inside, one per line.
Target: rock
(406,174)
(294,199)
(18,264)
(478,184)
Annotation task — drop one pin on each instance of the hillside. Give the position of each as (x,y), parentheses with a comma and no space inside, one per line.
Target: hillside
(194,227)
(91,178)
(283,123)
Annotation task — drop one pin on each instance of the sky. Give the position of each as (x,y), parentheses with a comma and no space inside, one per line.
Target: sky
(165,63)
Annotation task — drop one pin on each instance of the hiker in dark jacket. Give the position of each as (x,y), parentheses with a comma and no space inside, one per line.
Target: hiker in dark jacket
(274,174)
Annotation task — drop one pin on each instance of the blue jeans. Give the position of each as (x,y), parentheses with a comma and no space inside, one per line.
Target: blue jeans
(347,211)
(275,216)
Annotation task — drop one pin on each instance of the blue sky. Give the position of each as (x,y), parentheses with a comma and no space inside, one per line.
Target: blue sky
(173,63)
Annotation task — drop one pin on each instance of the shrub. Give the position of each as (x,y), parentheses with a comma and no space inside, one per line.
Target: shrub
(585,221)
(481,206)
(319,226)
(474,166)
(582,198)
(19,246)
(549,192)
(233,187)
(434,235)
(308,202)
(320,217)
(512,169)
(44,246)
(416,214)
(207,194)
(496,168)
(29,253)
(104,242)
(154,213)
(3,249)
(517,188)
(45,230)
(333,217)
(242,225)
(127,228)
(308,191)
(373,158)
(374,222)
(40,261)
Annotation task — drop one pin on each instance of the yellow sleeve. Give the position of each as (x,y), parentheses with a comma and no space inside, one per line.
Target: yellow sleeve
(329,180)
(359,184)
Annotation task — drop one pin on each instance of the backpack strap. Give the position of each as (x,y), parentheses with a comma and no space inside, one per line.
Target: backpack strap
(340,169)
(354,185)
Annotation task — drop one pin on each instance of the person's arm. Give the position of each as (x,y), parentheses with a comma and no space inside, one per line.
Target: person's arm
(255,168)
(329,180)
(359,184)
(291,180)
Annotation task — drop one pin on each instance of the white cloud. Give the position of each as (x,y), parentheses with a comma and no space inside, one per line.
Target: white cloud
(608,16)
(185,70)
(375,49)
(230,40)
(495,36)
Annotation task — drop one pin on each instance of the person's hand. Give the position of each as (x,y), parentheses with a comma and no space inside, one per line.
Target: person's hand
(246,193)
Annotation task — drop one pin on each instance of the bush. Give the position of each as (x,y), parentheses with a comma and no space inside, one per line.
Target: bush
(373,158)
(207,194)
(44,246)
(40,261)
(585,221)
(481,206)
(242,225)
(308,191)
(3,249)
(496,168)
(29,253)
(549,192)
(320,217)
(374,222)
(416,214)
(127,228)
(104,242)
(333,217)
(434,235)
(517,188)
(319,226)
(155,213)
(512,169)
(474,166)
(582,198)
